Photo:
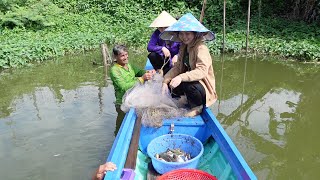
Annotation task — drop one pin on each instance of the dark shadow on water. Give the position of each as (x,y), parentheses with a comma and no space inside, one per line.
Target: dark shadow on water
(120,117)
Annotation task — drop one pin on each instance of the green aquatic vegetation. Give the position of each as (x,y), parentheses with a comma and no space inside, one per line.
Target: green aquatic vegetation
(274,36)
(32,15)
(34,31)
(73,31)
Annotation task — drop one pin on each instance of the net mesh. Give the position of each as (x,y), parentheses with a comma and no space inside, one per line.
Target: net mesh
(151,104)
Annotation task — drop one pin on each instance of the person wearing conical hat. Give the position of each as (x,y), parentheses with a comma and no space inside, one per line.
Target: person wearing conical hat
(162,53)
(193,74)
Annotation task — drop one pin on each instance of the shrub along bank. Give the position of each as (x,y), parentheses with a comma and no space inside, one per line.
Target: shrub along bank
(37,30)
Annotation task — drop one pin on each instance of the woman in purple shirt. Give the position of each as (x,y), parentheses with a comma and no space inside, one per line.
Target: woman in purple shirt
(163,54)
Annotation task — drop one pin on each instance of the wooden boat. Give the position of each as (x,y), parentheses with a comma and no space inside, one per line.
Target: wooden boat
(221,157)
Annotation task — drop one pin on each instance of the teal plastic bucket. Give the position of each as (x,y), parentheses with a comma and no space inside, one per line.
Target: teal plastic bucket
(187,143)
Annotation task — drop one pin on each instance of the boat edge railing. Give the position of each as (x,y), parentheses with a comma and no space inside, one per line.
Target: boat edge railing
(237,162)
(120,147)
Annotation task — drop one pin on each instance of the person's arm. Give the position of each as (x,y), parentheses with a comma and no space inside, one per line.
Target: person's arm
(174,59)
(138,72)
(142,75)
(101,171)
(174,48)
(120,79)
(153,42)
(176,69)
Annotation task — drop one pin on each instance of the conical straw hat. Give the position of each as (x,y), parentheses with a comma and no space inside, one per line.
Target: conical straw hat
(186,23)
(163,20)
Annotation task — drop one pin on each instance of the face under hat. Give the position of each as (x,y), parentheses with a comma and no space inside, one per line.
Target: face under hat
(163,20)
(186,23)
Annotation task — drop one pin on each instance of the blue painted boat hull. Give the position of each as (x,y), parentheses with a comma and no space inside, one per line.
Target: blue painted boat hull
(236,163)
(221,157)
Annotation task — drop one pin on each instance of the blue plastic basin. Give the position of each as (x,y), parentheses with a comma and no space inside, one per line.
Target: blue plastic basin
(187,143)
(194,126)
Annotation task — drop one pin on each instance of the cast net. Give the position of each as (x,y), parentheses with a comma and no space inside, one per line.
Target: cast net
(151,104)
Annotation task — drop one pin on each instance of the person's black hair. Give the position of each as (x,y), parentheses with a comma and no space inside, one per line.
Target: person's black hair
(117,49)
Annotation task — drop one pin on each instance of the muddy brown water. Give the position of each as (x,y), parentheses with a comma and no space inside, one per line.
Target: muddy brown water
(57,119)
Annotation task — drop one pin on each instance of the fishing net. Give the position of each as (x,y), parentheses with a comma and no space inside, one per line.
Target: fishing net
(151,104)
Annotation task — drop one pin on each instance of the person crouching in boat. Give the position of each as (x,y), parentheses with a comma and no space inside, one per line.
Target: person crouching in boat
(124,76)
(193,74)
(163,54)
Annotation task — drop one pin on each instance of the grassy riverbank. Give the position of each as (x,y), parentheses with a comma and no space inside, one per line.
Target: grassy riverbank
(46,29)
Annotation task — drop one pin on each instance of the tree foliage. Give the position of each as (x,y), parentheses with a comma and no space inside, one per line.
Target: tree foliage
(30,14)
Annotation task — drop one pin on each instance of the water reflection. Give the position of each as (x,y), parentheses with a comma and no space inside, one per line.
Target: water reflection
(119,120)
(65,132)
(264,107)
(266,116)
(58,120)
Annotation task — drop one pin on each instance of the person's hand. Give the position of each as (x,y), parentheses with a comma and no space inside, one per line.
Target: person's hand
(166,52)
(147,76)
(153,72)
(175,82)
(101,171)
(174,59)
(164,89)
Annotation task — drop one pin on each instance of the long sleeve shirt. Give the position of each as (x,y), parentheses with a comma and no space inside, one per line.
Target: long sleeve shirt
(124,79)
(156,44)
(199,68)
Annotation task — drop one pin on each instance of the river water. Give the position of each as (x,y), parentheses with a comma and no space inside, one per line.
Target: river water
(57,119)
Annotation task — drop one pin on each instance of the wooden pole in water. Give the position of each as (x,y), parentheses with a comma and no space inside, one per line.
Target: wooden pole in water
(104,55)
(259,9)
(245,64)
(224,25)
(106,58)
(202,11)
(248,27)
(223,50)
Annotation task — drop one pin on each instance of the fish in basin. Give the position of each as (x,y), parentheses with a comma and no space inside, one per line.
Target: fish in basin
(173,155)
